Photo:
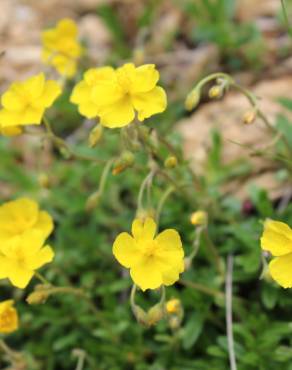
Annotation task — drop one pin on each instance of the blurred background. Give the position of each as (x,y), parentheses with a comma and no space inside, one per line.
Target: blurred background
(187,40)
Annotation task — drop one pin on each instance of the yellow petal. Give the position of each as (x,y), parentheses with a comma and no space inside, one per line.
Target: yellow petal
(170,276)
(9,118)
(126,76)
(8,317)
(67,27)
(31,116)
(12,101)
(277,238)
(44,223)
(50,93)
(146,275)
(146,77)
(169,241)
(81,93)
(126,251)
(3,267)
(18,215)
(117,115)
(281,271)
(94,76)
(29,244)
(144,229)
(34,86)
(170,255)
(149,103)
(20,277)
(43,256)
(88,109)
(106,92)
(66,66)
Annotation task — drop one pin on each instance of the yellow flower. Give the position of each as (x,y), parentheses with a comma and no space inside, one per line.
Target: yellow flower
(21,215)
(8,317)
(21,255)
(277,239)
(24,103)
(61,48)
(153,261)
(115,95)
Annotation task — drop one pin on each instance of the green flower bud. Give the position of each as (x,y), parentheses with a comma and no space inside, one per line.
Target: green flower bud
(193,99)
(95,136)
(155,314)
(170,162)
(92,201)
(216,92)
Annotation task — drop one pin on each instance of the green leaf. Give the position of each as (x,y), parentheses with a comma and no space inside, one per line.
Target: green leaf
(192,330)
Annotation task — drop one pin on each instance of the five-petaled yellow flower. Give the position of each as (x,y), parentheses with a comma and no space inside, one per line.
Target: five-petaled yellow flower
(277,239)
(21,215)
(8,317)
(22,255)
(153,261)
(25,102)
(116,95)
(61,47)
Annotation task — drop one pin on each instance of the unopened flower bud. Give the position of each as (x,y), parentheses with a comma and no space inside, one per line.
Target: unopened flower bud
(170,162)
(95,136)
(43,180)
(146,213)
(144,132)
(193,99)
(126,160)
(249,117)
(139,56)
(64,152)
(140,315)
(174,322)
(199,218)
(215,92)
(188,263)
(92,201)
(155,314)
(38,297)
(173,306)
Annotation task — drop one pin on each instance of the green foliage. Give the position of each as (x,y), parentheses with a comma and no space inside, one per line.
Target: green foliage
(111,338)
(241,44)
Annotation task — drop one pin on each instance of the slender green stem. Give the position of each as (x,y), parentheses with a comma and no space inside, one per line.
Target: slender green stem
(143,186)
(229,320)
(42,278)
(132,297)
(14,357)
(181,158)
(213,251)
(104,175)
(162,201)
(254,103)
(214,76)
(196,244)
(81,360)
(62,145)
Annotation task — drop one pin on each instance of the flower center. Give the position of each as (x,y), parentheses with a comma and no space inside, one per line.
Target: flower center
(150,248)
